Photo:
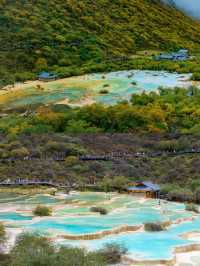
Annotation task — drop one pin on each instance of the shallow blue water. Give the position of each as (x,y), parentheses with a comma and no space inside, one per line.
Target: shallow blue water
(42,199)
(122,86)
(67,227)
(145,245)
(141,244)
(51,96)
(93,223)
(14,216)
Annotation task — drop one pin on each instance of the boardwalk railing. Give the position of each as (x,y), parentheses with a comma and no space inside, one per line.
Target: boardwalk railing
(139,154)
(107,157)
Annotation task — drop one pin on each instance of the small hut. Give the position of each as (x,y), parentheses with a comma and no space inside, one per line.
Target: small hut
(147,189)
(46,76)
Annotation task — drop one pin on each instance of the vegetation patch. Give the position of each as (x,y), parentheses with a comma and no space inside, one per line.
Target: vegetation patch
(42,211)
(103,91)
(2,233)
(154,227)
(134,83)
(34,250)
(196,76)
(113,253)
(100,210)
(169,111)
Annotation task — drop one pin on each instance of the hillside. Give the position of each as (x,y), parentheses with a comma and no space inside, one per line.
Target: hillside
(56,157)
(72,37)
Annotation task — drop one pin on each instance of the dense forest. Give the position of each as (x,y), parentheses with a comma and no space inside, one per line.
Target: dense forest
(74,37)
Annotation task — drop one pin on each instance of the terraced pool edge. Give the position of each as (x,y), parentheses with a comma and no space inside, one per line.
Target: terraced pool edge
(101,234)
(170,262)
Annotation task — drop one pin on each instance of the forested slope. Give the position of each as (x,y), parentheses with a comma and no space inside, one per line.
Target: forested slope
(72,37)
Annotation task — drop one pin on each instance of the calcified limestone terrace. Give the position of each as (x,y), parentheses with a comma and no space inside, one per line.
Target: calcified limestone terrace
(86,90)
(73,223)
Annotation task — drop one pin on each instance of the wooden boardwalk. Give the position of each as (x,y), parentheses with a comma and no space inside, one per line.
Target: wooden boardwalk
(110,156)
(139,154)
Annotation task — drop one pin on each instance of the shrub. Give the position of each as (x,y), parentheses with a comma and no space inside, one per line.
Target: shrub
(180,194)
(119,182)
(71,160)
(192,208)
(32,250)
(195,185)
(2,236)
(134,83)
(153,227)
(100,210)
(195,76)
(112,253)
(20,152)
(106,184)
(106,85)
(68,256)
(2,232)
(197,195)
(42,211)
(104,91)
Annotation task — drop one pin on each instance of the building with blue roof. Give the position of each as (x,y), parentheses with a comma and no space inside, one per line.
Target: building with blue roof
(145,188)
(181,55)
(47,76)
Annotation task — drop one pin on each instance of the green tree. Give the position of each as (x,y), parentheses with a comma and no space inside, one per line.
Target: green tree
(2,236)
(120,183)
(106,184)
(32,250)
(77,126)
(41,64)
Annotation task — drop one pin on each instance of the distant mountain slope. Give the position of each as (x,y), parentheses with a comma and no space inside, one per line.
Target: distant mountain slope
(35,35)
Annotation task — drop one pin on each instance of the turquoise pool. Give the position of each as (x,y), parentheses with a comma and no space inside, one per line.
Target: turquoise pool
(72,215)
(123,84)
(51,96)
(145,245)
(141,245)
(14,217)
(68,227)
